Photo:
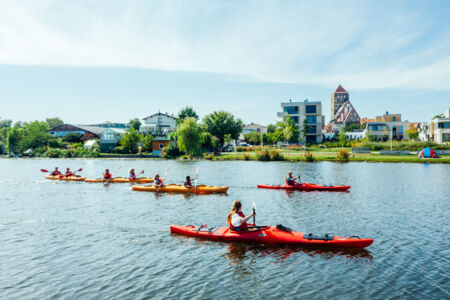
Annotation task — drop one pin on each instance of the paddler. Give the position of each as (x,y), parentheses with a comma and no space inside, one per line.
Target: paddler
(107,175)
(68,173)
(236,219)
(290,180)
(132,175)
(55,172)
(188,182)
(157,181)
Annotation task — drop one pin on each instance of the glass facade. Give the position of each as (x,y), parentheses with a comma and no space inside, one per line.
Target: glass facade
(295,118)
(311,129)
(311,119)
(378,127)
(311,109)
(291,109)
(444,125)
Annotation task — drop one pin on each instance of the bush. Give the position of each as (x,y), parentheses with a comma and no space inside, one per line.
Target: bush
(269,155)
(171,150)
(308,156)
(246,156)
(73,138)
(263,155)
(276,155)
(209,156)
(343,156)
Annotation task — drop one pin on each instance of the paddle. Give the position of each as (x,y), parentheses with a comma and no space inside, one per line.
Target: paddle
(44,171)
(79,170)
(162,180)
(196,176)
(254,212)
(112,176)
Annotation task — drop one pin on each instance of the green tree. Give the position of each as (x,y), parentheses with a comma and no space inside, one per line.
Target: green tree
(186,112)
(413,133)
(304,130)
(54,122)
(342,138)
(130,140)
(13,139)
(188,136)
(147,143)
(5,123)
(35,135)
(253,138)
(271,128)
(208,141)
(220,123)
(73,138)
(135,123)
(286,131)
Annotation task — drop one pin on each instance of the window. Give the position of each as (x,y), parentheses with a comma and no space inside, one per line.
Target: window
(443,125)
(311,139)
(291,109)
(393,118)
(311,119)
(311,129)
(161,146)
(311,109)
(295,118)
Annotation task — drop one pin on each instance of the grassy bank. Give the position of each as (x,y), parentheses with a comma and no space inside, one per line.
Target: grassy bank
(328,155)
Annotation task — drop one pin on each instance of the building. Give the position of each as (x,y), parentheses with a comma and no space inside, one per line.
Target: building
(311,111)
(387,125)
(159,124)
(88,132)
(112,125)
(439,129)
(158,145)
(342,111)
(109,138)
(252,127)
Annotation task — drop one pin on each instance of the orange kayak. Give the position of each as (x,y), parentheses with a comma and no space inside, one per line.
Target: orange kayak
(121,180)
(175,188)
(64,178)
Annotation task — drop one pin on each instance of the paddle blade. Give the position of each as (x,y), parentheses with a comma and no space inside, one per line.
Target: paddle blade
(196,171)
(142,172)
(44,171)
(254,204)
(81,169)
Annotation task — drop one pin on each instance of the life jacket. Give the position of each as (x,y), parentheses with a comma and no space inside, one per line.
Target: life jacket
(188,183)
(107,176)
(243,226)
(132,176)
(290,181)
(55,173)
(158,181)
(69,174)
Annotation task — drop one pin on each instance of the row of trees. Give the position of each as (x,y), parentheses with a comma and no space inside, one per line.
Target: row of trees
(285,131)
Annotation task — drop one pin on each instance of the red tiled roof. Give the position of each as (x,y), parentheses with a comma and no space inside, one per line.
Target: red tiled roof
(340,89)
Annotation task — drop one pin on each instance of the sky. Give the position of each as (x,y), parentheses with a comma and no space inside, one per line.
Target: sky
(95,61)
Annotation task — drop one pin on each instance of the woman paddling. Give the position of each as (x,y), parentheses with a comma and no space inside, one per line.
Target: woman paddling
(69,173)
(56,172)
(132,175)
(158,182)
(188,182)
(107,175)
(236,219)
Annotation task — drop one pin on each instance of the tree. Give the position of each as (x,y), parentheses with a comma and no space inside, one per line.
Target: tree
(35,135)
(147,143)
(54,122)
(186,112)
(12,140)
(188,136)
(412,132)
(286,131)
(73,138)
(342,138)
(304,129)
(271,128)
(135,123)
(207,141)
(438,116)
(5,123)
(220,123)
(253,138)
(130,140)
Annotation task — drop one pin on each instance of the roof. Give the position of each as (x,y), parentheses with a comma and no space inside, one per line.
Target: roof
(161,114)
(92,129)
(341,90)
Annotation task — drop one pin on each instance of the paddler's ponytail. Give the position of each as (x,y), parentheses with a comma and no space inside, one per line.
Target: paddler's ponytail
(234,209)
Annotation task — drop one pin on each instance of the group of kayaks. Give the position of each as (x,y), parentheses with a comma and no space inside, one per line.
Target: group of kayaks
(268,235)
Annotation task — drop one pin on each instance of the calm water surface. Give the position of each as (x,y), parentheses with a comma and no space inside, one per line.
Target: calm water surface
(81,241)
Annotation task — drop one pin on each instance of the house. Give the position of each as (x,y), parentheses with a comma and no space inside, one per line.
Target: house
(159,124)
(439,128)
(252,127)
(342,111)
(158,144)
(311,111)
(88,132)
(112,125)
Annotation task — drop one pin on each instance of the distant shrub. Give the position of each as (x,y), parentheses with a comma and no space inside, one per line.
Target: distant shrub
(209,156)
(308,156)
(246,156)
(269,155)
(343,156)
(263,155)
(275,155)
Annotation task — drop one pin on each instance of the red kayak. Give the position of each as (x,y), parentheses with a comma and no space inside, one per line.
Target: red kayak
(306,187)
(271,235)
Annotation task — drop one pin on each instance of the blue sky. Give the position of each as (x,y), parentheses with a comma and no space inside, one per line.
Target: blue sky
(93,61)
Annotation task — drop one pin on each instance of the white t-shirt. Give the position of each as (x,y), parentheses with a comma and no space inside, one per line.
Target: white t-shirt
(236,220)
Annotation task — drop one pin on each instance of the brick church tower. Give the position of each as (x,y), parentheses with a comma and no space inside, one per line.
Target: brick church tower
(338,98)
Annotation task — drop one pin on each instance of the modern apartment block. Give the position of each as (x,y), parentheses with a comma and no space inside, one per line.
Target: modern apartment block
(387,125)
(439,129)
(309,110)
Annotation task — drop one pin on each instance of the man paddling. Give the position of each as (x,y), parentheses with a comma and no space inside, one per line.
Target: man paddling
(69,173)
(107,175)
(157,181)
(56,172)
(290,180)
(188,182)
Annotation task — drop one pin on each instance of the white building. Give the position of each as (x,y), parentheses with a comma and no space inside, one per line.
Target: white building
(309,110)
(159,124)
(252,127)
(439,129)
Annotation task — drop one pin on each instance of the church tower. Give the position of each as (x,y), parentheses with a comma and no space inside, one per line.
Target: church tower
(338,98)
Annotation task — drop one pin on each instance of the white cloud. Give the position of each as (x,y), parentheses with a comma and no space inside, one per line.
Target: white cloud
(309,43)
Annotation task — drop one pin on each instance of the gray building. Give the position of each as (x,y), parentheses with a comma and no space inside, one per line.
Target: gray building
(309,110)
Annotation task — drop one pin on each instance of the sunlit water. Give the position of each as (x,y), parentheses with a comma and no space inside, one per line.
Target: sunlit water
(80,240)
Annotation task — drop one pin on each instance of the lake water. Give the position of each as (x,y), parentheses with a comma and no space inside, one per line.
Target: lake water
(80,241)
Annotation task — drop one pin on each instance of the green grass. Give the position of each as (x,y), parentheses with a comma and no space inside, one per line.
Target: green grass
(331,156)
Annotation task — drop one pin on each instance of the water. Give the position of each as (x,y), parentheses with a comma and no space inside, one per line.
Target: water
(82,241)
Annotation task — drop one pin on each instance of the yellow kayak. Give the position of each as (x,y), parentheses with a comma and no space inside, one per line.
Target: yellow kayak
(64,178)
(121,180)
(175,188)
